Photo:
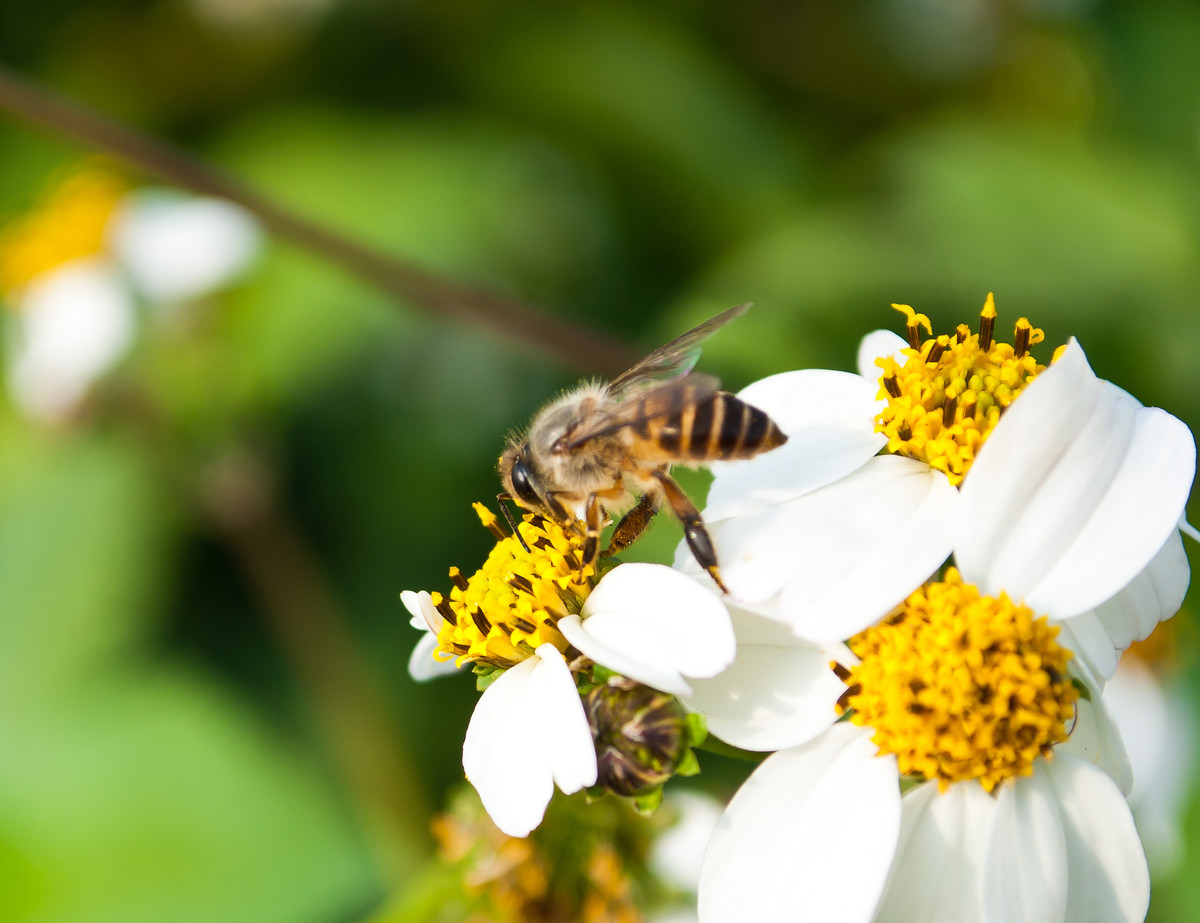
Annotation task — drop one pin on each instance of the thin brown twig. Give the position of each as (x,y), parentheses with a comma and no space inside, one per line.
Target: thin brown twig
(566,341)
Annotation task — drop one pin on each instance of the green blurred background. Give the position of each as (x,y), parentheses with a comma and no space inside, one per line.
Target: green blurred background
(205,712)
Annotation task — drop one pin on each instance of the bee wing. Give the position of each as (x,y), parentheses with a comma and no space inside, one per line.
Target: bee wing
(658,400)
(673,359)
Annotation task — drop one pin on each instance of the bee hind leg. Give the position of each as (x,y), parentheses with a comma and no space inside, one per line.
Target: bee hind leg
(694,532)
(632,525)
(595,522)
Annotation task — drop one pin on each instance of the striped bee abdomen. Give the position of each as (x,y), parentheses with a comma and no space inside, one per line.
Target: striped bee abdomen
(720,427)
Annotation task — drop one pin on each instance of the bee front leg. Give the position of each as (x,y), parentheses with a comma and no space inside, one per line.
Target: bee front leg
(632,525)
(698,539)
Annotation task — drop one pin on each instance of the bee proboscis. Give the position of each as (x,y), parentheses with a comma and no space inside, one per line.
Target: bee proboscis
(590,452)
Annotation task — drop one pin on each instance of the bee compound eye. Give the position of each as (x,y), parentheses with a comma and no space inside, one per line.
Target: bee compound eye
(522,483)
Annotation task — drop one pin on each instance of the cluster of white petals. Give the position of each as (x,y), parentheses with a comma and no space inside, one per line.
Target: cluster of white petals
(1073,506)
(529,731)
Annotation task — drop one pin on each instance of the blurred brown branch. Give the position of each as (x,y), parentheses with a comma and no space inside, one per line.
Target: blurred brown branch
(570,343)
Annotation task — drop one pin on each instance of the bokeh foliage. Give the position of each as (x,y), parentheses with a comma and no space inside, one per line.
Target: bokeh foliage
(633,165)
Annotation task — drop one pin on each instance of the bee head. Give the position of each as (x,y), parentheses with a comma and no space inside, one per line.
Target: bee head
(518,478)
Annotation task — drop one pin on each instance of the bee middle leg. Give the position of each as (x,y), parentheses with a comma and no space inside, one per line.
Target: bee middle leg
(632,525)
(694,532)
(594,513)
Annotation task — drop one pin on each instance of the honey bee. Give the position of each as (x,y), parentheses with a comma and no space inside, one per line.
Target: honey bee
(591,451)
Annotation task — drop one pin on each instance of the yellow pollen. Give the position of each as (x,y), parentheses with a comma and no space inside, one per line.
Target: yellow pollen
(961,686)
(509,607)
(71,223)
(947,392)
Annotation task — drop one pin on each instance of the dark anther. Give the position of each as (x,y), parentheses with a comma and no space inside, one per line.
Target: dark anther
(963,333)
(1021,344)
(914,335)
(481,621)
(916,708)
(527,627)
(457,578)
(840,672)
(936,348)
(446,612)
(986,325)
(846,696)
(948,410)
(520,582)
(891,385)
(904,432)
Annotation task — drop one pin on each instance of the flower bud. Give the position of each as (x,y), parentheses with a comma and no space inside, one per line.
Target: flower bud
(641,735)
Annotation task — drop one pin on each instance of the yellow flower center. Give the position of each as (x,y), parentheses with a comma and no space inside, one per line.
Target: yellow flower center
(961,686)
(949,392)
(71,223)
(509,607)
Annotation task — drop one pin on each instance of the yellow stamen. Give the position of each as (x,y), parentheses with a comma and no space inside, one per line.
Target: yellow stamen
(961,686)
(947,393)
(70,224)
(509,607)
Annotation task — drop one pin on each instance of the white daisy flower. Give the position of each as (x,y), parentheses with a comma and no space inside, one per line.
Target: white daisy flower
(1073,460)
(74,270)
(530,606)
(962,788)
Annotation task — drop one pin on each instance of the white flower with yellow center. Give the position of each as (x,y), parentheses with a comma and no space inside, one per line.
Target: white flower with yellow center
(74,270)
(530,612)
(962,785)
(1047,478)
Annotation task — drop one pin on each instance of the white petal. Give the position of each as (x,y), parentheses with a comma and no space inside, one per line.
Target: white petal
(937,875)
(655,625)
(1152,596)
(176,247)
(424,613)
(72,326)
(878,344)
(423,666)
(1107,875)
(1073,494)
(1025,872)
(1089,641)
(562,721)
(528,730)
(778,692)
(1135,702)
(829,421)
(1097,739)
(835,561)
(809,835)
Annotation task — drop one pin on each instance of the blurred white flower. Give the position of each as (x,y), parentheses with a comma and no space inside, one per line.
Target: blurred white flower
(74,270)
(1158,726)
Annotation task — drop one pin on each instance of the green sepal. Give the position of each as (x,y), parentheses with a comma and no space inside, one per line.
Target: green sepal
(1084,690)
(696,726)
(485,675)
(688,765)
(648,801)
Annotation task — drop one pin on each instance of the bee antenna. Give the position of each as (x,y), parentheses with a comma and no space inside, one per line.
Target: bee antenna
(500,501)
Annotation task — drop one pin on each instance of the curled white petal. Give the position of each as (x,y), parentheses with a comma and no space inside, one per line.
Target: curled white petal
(829,421)
(654,625)
(835,561)
(1074,493)
(422,664)
(778,692)
(1107,877)
(176,247)
(809,835)
(1097,739)
(73,324)
(528,731)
